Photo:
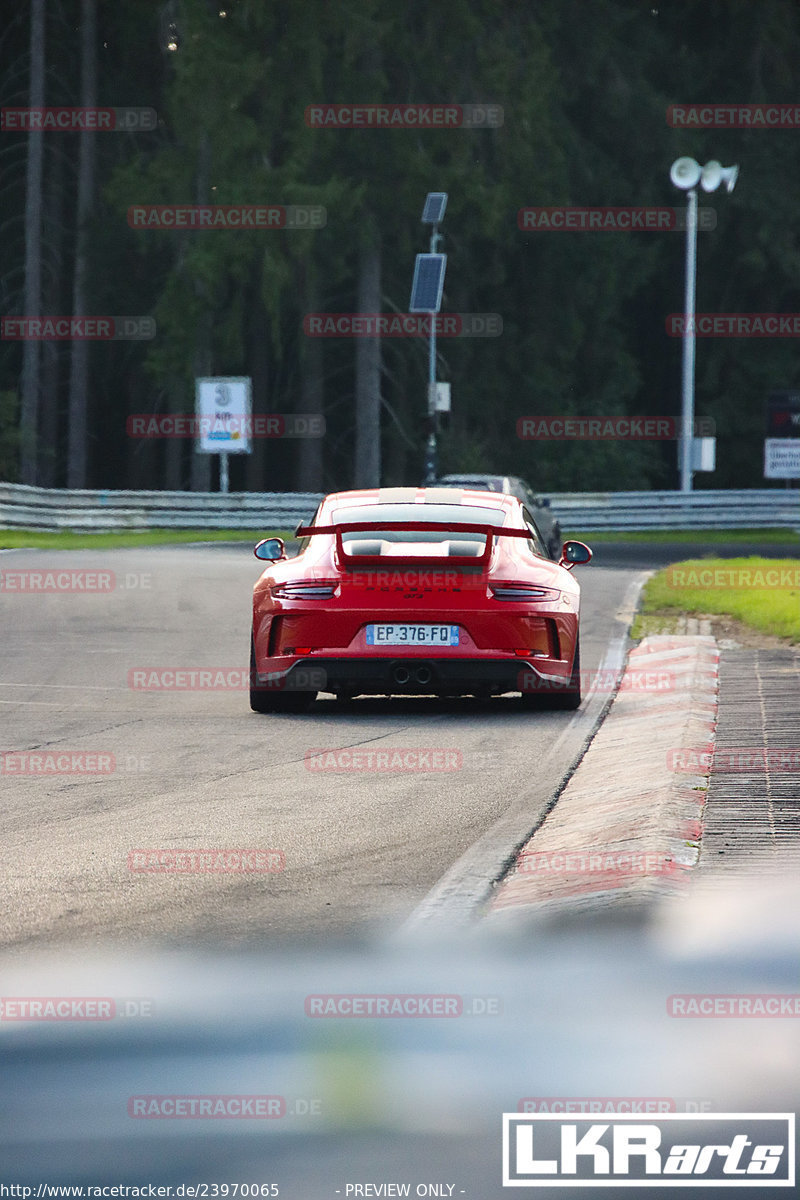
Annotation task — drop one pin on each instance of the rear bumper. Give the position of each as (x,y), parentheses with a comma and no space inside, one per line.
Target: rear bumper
(417,676)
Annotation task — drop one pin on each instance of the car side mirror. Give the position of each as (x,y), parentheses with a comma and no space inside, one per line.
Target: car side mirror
(270,550)
(574,552)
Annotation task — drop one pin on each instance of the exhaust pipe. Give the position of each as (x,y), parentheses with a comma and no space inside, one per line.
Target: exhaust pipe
(401,675)
(423,675)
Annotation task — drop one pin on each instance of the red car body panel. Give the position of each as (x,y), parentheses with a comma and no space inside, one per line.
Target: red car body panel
(362,578)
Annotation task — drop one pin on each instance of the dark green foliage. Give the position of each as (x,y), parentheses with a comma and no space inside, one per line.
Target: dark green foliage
(584,85)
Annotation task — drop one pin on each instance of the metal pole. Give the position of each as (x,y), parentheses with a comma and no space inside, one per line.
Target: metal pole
(223,472)
(431,465)
(687,397)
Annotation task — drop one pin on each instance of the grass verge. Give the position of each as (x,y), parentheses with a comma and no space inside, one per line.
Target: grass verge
(14,539)
(762,593)
(771,537)
(17,539)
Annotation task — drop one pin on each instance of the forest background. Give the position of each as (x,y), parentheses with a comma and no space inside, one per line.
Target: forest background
(584,87)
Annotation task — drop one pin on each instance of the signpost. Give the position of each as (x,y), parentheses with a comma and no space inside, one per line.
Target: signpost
(426,296)
(782,444)
(223,406)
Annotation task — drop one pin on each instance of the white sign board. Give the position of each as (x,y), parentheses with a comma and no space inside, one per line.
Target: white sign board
(438,397)
(782,458)
(223,407)
(704,454)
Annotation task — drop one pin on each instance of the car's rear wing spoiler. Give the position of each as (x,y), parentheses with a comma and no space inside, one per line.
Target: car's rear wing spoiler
(490,532)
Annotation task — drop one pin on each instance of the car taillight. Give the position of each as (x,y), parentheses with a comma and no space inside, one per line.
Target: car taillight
(304,591)
(523,591)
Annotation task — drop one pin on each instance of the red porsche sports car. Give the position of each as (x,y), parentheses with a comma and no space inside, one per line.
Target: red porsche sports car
(423,591)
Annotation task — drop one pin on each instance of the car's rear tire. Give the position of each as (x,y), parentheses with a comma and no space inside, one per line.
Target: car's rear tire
(570,698)
(567,698)
(266,700)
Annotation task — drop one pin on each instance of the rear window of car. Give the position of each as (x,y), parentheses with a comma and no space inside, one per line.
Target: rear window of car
(481,485)
(452,514)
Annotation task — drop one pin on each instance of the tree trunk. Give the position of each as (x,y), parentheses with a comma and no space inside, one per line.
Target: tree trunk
(79,361)
(31,356)
(312,392)
(258,356)
(399,463)
(201,463)
(367,471)
(173,447)
(53,297)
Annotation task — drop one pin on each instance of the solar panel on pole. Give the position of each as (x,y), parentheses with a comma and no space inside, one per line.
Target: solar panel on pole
(435,204)
(428,285)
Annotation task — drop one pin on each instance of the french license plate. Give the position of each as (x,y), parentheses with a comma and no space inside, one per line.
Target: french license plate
(412,635)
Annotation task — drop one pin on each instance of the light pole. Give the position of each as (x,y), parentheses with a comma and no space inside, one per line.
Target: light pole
(685,173)
(426,296)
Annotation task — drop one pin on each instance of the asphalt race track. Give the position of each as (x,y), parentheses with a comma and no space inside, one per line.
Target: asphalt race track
(199,770)
(208,979)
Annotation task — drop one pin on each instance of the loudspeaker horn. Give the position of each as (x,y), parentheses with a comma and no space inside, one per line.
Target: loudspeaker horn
(729,177)
(711,176)
(685,173)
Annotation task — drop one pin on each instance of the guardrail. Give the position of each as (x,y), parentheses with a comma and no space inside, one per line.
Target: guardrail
(761,508)
(23,507)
